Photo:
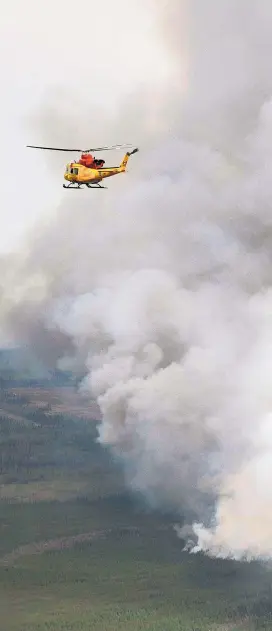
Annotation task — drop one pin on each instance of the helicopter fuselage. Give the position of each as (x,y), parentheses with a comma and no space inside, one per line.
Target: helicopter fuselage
(78,174)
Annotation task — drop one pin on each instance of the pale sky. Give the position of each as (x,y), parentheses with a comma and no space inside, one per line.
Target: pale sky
(101,52)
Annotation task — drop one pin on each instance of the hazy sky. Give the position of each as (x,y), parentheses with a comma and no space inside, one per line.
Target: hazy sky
(99,53)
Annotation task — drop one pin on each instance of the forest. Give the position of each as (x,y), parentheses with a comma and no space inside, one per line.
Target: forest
(79,551)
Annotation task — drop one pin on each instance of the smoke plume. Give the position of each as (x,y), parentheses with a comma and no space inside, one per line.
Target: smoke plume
(162,288)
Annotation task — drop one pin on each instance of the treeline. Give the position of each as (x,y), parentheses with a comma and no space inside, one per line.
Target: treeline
(12,397)
(41,415)
(43,440)
(16,453)
(12,378)
(25,447)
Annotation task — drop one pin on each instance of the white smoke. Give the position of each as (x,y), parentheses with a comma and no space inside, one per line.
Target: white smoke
(163,289)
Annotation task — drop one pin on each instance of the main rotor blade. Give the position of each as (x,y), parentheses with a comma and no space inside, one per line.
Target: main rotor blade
(51,148)
(79,150)
(108,148)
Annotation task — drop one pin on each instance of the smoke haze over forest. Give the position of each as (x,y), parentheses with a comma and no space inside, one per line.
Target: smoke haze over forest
(160,287)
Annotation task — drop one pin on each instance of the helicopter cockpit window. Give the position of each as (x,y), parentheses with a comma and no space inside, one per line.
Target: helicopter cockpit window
(74,171)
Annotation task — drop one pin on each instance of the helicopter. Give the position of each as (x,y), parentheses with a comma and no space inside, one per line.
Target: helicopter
(88,171)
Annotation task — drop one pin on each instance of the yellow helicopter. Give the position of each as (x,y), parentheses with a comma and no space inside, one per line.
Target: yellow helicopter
(88,170)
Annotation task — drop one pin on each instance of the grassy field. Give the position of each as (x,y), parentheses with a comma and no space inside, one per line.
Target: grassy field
(77,552)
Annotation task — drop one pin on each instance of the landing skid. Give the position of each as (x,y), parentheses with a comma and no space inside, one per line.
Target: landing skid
(72,185)
(95,186)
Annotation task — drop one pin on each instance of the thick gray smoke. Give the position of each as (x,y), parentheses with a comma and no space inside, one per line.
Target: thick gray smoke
(162,288)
